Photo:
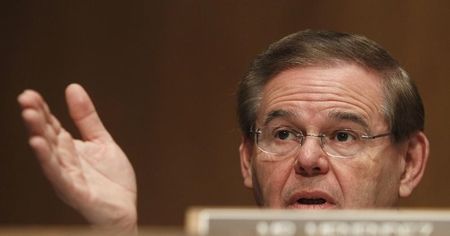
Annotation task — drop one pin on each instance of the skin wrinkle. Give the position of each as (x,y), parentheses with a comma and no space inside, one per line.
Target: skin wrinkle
(364,115)
(290,115)
(334,115)
(347,116)
(331,89)
(312,94)
(333,97)
(381,109)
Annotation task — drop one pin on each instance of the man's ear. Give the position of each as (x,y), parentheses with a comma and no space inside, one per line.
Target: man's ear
(415,161)
(246,152)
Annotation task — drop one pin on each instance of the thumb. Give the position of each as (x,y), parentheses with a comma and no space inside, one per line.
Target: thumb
(83,113)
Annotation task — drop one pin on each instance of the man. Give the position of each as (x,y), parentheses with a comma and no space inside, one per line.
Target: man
(328,120)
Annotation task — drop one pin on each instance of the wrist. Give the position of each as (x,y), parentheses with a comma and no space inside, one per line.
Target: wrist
(119,225)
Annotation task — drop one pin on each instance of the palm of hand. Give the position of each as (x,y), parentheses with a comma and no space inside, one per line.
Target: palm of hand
(93,175)
(103,179)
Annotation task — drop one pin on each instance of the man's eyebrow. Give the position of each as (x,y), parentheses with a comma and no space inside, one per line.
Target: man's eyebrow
(339,115)
(277,114)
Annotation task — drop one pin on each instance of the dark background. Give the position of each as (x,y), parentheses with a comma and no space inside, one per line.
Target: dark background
(163,76)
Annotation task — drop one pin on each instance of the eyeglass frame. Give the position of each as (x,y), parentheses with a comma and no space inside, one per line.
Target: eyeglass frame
(302,137)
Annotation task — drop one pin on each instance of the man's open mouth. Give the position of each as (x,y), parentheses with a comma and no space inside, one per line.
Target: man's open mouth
(311,201)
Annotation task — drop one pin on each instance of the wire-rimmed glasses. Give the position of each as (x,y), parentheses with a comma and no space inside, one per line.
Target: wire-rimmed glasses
(339,143)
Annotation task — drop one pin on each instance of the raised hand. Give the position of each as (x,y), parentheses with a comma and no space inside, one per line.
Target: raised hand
(92,175)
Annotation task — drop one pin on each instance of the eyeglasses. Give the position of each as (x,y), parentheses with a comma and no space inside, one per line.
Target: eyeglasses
(339,143)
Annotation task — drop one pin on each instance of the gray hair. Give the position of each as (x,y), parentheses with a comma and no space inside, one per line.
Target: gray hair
(403,108)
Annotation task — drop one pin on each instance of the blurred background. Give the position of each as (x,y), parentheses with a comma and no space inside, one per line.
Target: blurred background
(163,76)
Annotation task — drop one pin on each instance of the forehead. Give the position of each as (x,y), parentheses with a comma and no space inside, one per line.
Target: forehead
(346,90)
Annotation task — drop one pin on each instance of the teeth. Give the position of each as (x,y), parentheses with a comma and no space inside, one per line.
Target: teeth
(311,201)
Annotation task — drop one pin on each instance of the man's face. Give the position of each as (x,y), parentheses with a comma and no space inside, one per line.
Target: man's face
(308,100)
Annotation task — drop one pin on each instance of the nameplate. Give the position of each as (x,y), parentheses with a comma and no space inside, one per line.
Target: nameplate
(265,222)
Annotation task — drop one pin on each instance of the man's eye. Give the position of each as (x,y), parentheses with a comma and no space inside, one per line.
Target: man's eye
(344,136)
(284,134)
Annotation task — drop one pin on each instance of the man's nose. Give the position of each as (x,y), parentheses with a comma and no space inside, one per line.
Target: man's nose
(311,160)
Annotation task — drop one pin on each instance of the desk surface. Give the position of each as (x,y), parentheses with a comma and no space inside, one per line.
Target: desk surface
(82,231)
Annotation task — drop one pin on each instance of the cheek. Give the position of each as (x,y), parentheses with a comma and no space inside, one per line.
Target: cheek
(369,181)
(388,180)
(272,177)
(356,182)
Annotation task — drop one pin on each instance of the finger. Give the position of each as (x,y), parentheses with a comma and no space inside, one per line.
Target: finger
(38,126)
(44,127)
(55,124)
(66,152)
(84,115)
(42,123)
(34,121)
(42,150)
(50,164)
(60,156)
(30,99)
